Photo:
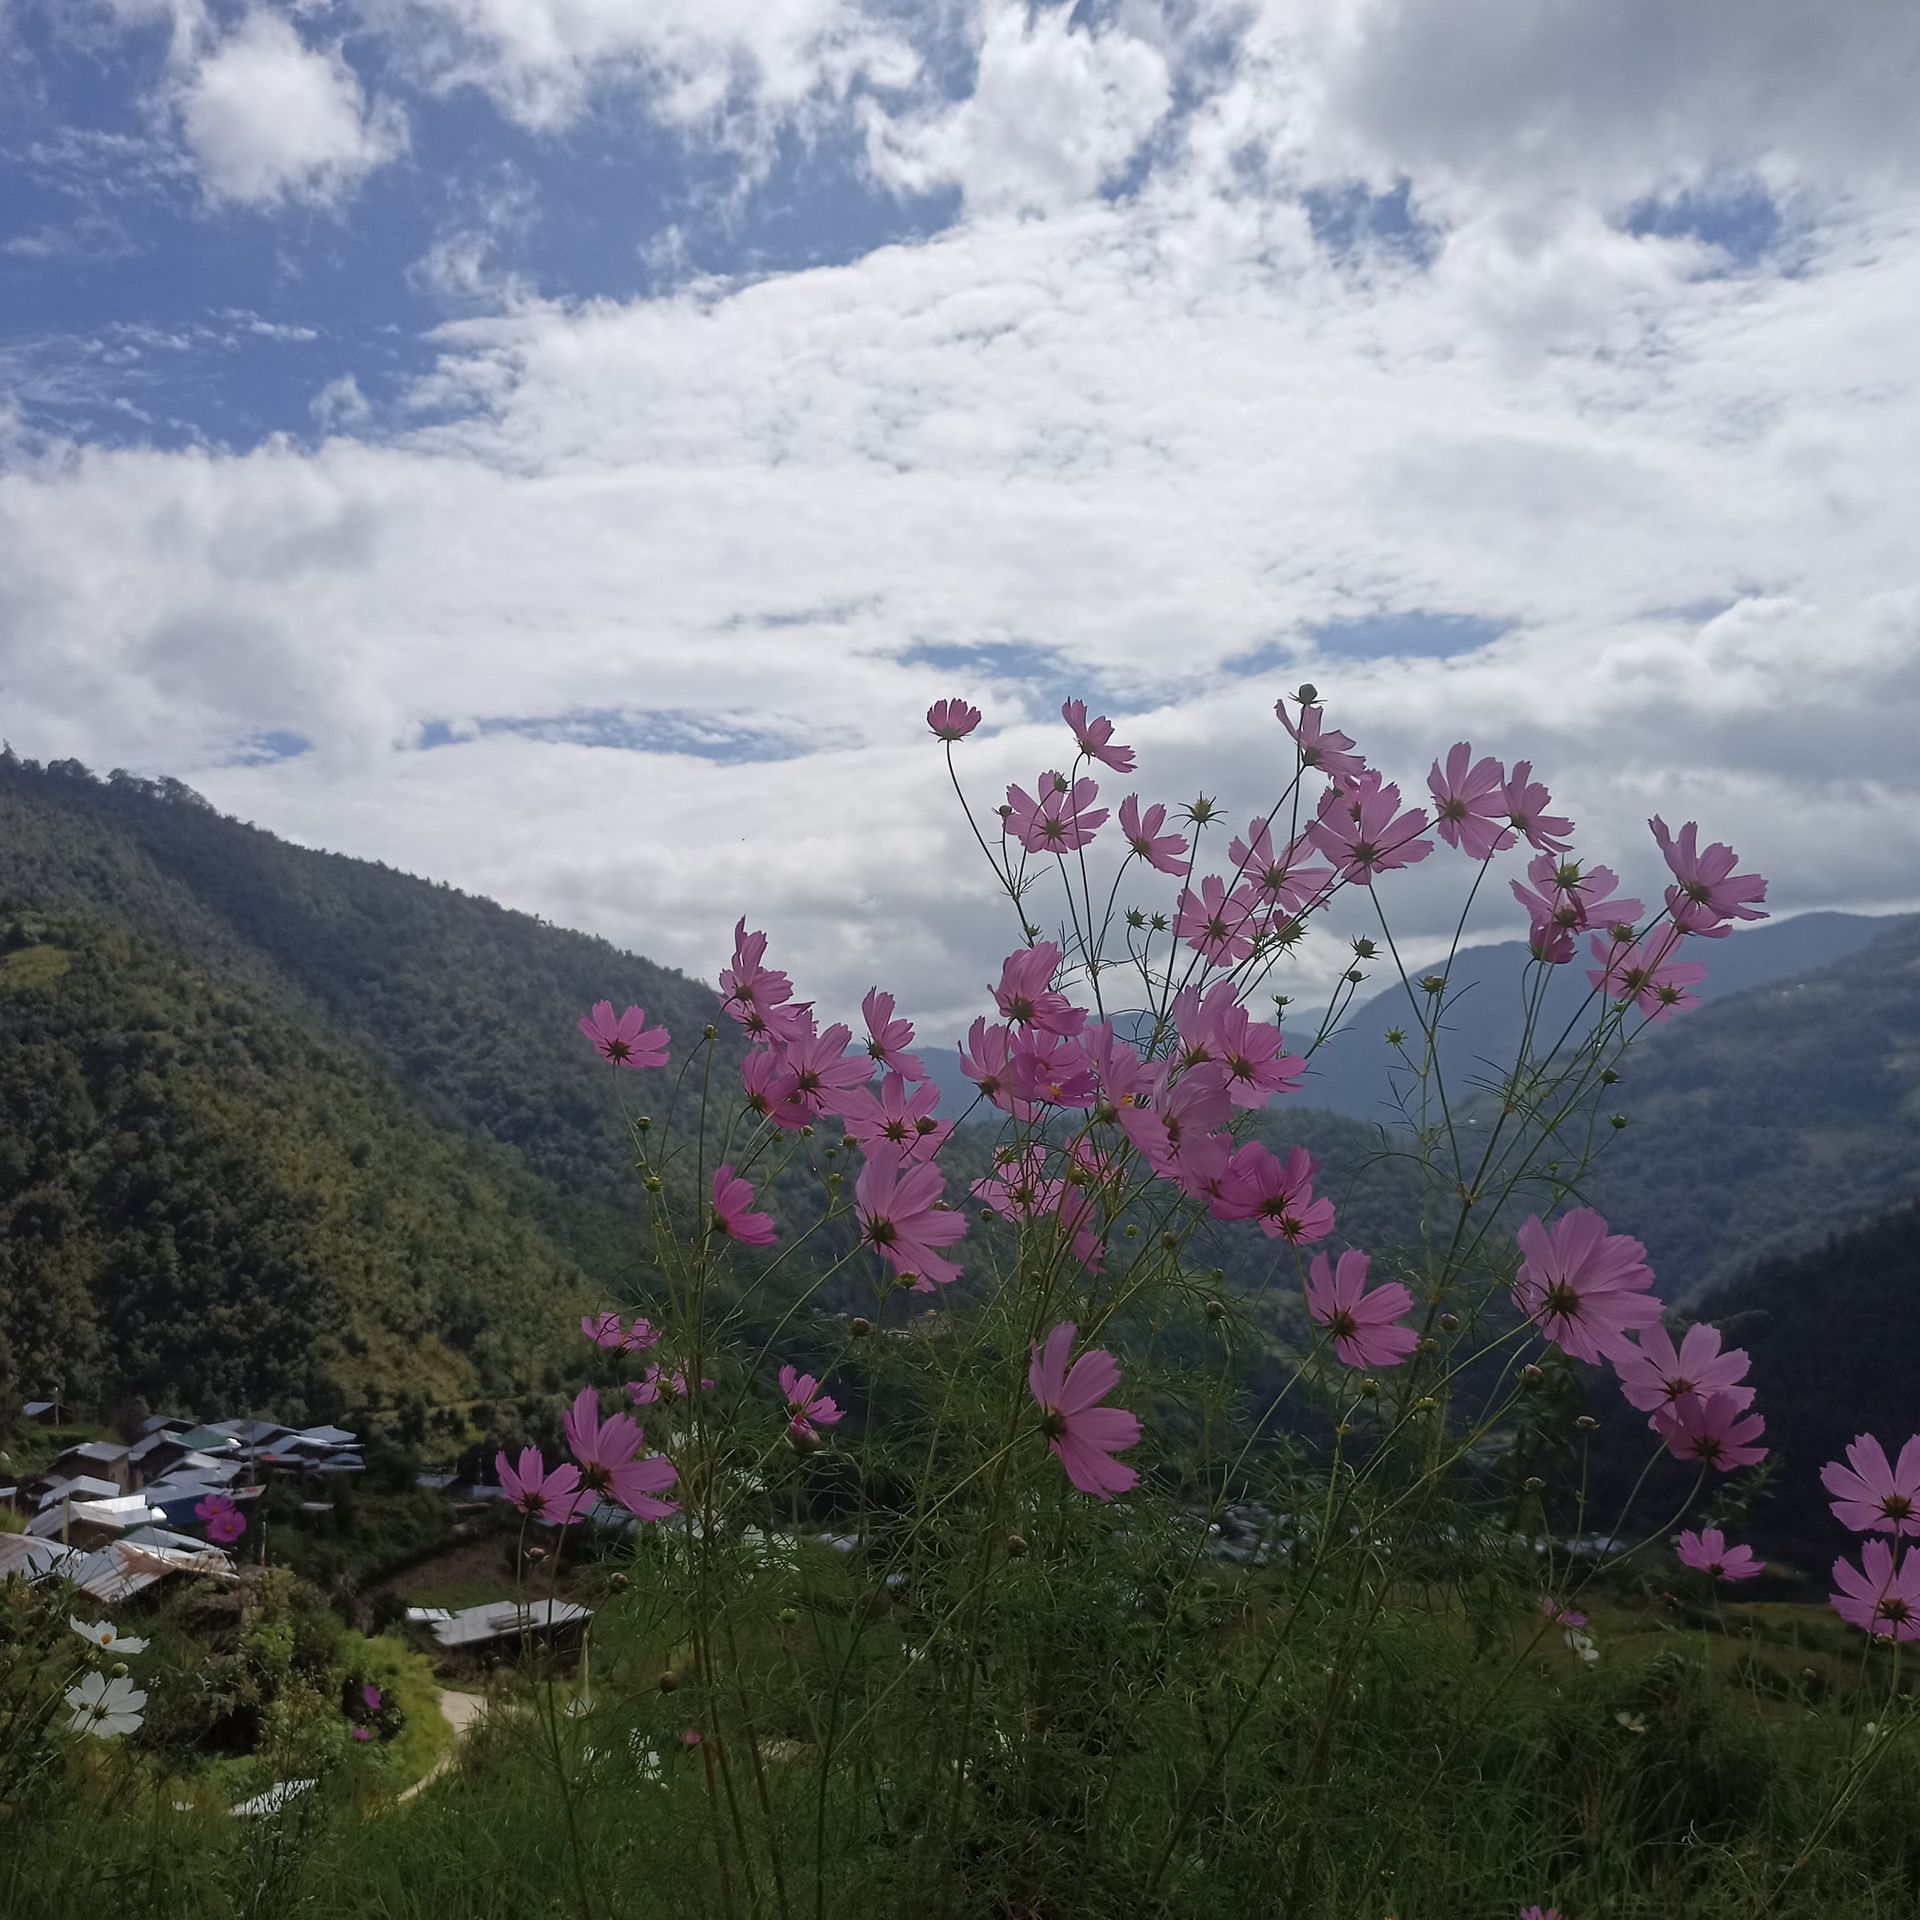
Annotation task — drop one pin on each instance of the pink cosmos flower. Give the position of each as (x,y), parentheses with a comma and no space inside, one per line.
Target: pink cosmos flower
(1586,1289)
(1712,1430)
(811,1409)
(1540,1913)
(1869,1495)
(1656,1374)
(658,1387)
(608,1451)
(1525,800)
(1707,1552)
(605,1330)
(1880,1596)
(1330,752)
(985,1060)
(1364,832)
(1047,1070)
(555,1498)
(1276,1193)
(772,1088)
(1643,972)
(362,1733)
(1018,1187)
(370,1697)
(1218,1029)
(1363,1324)
(1062,819)
(826,1074)
(1095,736)
(900,1117)
(622,1041)
(1084,1436)
(952,719)
(897,1202)
(1470,803)
(1216,923)
(224,1521)
(1281,881)
(1707,895)
(1121,1077)
(1025,995)
(1176,1135)
(1561,1616)
(1160,850)
(757,995)
(1565,898)
(732,1211)
(887,1038)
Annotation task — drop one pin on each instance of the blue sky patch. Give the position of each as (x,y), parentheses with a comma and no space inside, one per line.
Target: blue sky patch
(1389,636)
(703,736)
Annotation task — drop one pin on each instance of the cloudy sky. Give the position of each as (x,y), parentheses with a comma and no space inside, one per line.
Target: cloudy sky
(562,446)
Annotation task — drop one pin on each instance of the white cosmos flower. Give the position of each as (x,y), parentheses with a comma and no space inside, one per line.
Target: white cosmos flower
(103,1633)
(103,1707)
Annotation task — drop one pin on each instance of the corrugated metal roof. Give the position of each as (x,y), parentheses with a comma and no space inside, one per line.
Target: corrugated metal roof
(474,1626)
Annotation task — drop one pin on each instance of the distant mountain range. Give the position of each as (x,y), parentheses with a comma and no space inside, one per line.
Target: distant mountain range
(278,1126)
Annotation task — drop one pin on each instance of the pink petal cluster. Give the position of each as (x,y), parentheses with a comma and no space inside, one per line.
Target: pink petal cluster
(1362,828)
(902,1218)
(733,1213)
(1083,1434)
(888,1039)
(1059,818)
(554,1498)
(1276,1194)
(1321,748)
(625,1041)
(1644,973)
(1656,1376)
(1873,1495)
(1162,851)
(1282,883)
(606,1330)
(1707,896)
(1470,803)
(809,1407)
(1524,798)
(760,997)
(609,1453)
(1219,924)
(224,1521)
(1707,1552)
(952,719)
(659,1386)
(1586,1289)
(1713,1429)
(1563,898)
(1881,1596)
(1365,1326)
(1095,737)
(898,1116)
(1026,997)
(1216,1030)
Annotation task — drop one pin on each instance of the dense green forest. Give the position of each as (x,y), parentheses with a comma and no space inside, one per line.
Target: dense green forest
(286,1129)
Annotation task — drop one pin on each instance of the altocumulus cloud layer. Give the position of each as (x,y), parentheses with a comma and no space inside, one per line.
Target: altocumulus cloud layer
(1539,374)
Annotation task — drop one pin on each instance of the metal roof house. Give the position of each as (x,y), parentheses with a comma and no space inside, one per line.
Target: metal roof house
(92,1523)
(488,1629)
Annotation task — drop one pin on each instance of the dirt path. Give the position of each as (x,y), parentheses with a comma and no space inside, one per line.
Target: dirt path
(460,1711)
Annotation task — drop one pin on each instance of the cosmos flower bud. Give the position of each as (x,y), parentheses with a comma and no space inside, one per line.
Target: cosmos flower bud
(652,1183)
(1216,1309)
(1307,694)
(669,1682)
(1532,1483)
(645,1122)
(1586,1423)
(710,1031)
(1531,1376)
(788,1616)
(859,1327)
(1369,1388)
(1449,1323)
(618,1582)
(1169,1241)
(1016,1544)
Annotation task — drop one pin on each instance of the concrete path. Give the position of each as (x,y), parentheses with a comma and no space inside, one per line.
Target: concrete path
(460,1711)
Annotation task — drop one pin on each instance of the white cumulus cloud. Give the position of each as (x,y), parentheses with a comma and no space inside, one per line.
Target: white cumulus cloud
(269,119)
